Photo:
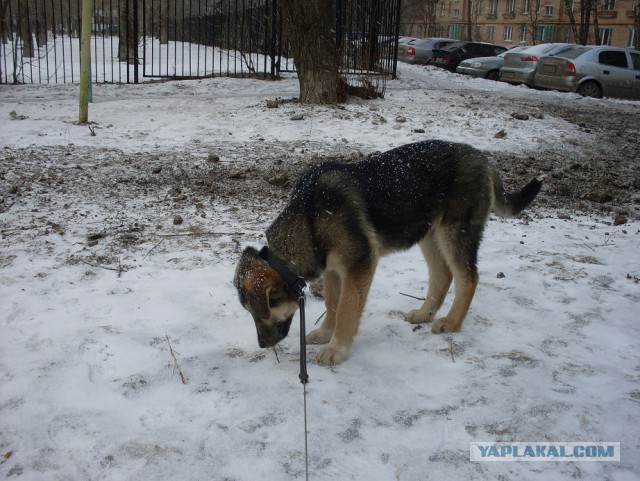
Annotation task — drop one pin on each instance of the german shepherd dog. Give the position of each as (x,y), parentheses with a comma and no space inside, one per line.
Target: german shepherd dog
(341,218)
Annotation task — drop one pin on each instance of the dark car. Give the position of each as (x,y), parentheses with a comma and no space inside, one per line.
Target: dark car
(450,56)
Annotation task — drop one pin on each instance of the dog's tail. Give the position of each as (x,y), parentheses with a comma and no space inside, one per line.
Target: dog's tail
(507,204)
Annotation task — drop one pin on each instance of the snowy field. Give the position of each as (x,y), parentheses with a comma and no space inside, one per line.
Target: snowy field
(95,274)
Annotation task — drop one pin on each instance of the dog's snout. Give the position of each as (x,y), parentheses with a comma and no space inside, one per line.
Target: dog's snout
(269,334)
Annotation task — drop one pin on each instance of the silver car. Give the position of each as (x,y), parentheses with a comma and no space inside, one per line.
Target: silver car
(419,50)
(593,72)
(520,67)
(485,67)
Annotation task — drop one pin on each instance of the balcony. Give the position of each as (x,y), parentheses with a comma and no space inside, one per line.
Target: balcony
(630,13)
(509,15)
(492,16)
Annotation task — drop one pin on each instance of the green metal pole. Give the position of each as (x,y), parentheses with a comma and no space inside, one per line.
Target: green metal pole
(85,60)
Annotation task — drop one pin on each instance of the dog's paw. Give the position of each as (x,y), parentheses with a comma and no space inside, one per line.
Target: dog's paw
(419,316)
(444,325)
(319,336)
(330,356)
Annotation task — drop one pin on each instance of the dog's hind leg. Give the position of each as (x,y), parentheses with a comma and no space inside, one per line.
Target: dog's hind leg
(355,286)
(322,335)
(439,281)
(459,244)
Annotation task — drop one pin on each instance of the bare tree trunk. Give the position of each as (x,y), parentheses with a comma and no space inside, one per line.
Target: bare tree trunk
(469,20)
(572,19)
(127,42)
(585,21)
(25,29)
(596,26)
(534,9)
(310,27)
(636,10)
(164,21)
(41,25)
(4,24)
(431,18)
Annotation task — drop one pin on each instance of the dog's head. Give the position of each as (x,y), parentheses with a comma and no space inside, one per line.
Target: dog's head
(263,293)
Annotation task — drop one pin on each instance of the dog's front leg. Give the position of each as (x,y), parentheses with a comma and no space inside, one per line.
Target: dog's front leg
(331,288)
(353,295)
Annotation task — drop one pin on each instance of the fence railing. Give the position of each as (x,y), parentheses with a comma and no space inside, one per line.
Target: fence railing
(40,39)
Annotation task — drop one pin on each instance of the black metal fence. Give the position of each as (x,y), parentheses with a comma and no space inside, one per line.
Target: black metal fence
(40,39)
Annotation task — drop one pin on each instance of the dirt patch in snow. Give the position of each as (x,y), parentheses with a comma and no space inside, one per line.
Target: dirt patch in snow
(66,189)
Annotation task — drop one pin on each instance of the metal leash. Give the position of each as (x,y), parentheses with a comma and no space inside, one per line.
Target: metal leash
(304,378)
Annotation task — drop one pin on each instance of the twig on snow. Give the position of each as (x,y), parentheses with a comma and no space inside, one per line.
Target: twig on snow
(451,349)
(175,361)
(185,234)
(413,297)
(98,266)
(145,256)
(318,319)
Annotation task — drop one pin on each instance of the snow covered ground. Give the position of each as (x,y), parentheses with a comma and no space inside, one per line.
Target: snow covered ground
(59,61)
(95,275)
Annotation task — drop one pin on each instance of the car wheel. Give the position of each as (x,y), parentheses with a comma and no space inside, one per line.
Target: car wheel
(590,89)
(493,75)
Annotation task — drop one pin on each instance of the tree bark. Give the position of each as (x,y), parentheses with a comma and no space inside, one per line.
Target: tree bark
(585,21)
(25,29)
(636,10)
(596,25)
(127,41)
(310,27)
(164,22)
(572,19)
(534,21)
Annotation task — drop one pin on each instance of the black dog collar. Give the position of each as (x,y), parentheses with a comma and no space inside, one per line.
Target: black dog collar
(294,282)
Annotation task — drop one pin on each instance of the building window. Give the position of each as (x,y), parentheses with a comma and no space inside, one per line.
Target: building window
(523,33)
(566,35)
(526,4)
(455,31)
(493,7)
(546,33)
(511,6)
(548,10)
(609,5)
(491,33)
(632,37)
(443,9)
(456,12)
(508,33)
(605,35)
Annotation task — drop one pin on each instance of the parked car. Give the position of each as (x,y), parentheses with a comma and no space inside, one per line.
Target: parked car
(592,72)
(450,56)
(520,67)
(485,67)
(419,51)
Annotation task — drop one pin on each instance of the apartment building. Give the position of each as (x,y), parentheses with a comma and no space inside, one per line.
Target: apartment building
(519,22)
